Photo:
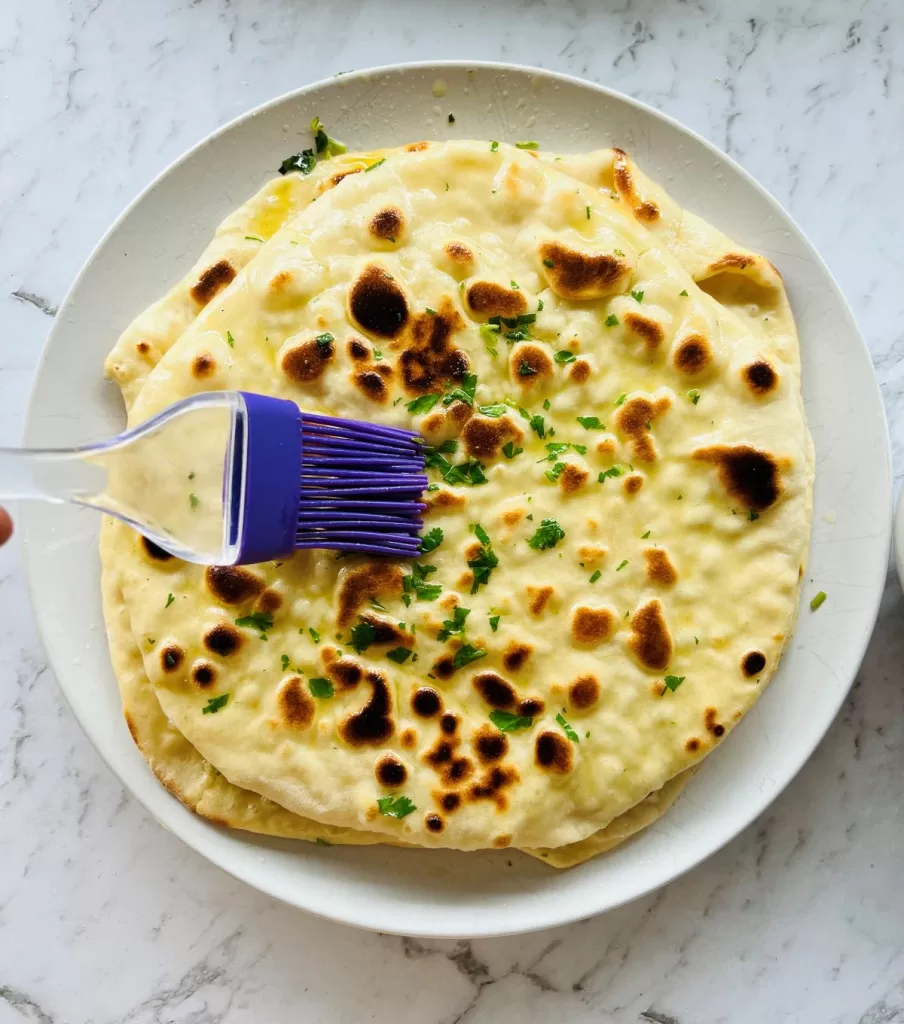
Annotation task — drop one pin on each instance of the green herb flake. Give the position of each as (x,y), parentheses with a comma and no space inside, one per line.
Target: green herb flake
(378,355)
(399,655)
(416,583)
(320,687)
(494,622)
(614,471)
(395,806)
(465,393)
(566,728)
(284,661)
(637,295)
(490,333)
(683,292)
(644,536)
(431,540)
(514,284)
(253,238)
(621,399)
(324,343)
(484,562)
(591,423)
(694,395)
(622,565)
(423,404)
(618,252)
(214,704)
(363,635)
(673,682)
(818,600)
(530,144)
(587,211)
(261,621)
(431,311)
(304,162)
(547,536)
(324,143)
(505,721)
(553,474)
(538,425)
(595,576)
(548,263)
(612,320)
(494,146)
(455,625)
(466,654)
(315,636)
(493,411)
(564,356)
(752,515)
(525,369)
(510,451)
(373,167)
(169,600)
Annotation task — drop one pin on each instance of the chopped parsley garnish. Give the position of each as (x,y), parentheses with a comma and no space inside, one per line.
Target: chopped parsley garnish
(618,252)
(683,292)
(555,449)
(378,354)
(363,635)
(395,806)
(416,583)
(621,565)
(320,687)
(694,395)
(595,576)
(323,143)
(612,320)
(616,470)
(510,451)
(818,600)
(564,356)
(423,404)
(546,404)
(494,622)
(554,473)
(261,621)
(494,146)
(538,425)
(447,447)
(752,515)
(455,625)
(587,211)
(637,295)
(305,162)
(514,284)
(315,636)
(465,393)
(468,472)
(530,144)
(591,423)
(547,536)
(432,312)
(548,263)
(230,341)
(169,600)
(525,369)
(214,704)
(673,682)
(621,399)
(323,342)
(284,661)
(466,654)
(373,167)
(566,728)
(644,536)
(253,238)
(489,333)
(194,500)
(505,721)
(493,411)
(431,540)
(484,562)
(399,655)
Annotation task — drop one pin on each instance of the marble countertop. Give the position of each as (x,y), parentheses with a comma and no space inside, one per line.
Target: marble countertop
(105,917)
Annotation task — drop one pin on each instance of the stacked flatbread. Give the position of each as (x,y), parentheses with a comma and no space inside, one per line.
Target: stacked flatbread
(618,514)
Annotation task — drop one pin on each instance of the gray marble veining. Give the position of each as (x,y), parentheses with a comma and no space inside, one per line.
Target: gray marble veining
(104,917)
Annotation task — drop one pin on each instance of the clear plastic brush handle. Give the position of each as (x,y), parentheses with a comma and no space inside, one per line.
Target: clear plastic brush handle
(175,478)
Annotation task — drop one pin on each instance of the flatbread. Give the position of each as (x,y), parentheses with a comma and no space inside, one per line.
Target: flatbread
(530,820)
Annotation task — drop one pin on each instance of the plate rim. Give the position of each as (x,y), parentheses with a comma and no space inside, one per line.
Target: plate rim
(546,914)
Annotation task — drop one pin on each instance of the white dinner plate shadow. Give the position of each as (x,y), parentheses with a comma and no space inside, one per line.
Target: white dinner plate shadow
(157,239)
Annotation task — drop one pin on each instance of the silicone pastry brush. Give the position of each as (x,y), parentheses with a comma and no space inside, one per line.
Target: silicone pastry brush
(229,478)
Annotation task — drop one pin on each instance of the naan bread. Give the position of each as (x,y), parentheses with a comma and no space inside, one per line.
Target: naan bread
(555,791)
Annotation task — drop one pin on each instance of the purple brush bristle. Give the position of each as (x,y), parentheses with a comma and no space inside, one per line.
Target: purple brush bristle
(360,487)
(317,482)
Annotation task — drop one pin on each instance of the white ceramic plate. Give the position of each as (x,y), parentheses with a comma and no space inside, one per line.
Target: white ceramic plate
(449,894)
